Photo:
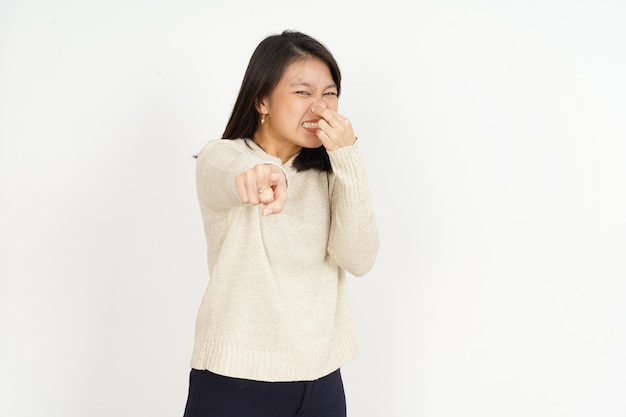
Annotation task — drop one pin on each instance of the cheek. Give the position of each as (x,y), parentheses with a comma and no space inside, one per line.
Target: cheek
(333,104)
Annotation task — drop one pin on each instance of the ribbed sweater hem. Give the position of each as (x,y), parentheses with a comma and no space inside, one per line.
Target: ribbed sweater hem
(238,361)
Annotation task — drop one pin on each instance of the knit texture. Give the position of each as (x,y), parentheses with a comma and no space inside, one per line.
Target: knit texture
(276,306)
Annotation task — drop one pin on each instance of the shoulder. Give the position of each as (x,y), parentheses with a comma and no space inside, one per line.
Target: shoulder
(215,145)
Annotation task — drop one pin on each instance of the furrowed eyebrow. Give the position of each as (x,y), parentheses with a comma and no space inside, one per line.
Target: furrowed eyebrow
(299,84)
(305,84)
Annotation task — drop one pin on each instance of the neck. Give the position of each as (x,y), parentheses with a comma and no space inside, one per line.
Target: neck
(284,151)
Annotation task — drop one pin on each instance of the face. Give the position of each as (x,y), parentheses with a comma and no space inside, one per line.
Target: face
(290,123)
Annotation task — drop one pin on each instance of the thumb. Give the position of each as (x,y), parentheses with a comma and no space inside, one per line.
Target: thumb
(278,182)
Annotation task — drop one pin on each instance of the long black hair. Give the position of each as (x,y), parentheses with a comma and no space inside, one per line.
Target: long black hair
(266,67)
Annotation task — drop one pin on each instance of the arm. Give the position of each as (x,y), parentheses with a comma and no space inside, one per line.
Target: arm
(226,177)
(354,239)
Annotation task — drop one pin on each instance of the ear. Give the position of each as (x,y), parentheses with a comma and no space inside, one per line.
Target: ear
(263,105)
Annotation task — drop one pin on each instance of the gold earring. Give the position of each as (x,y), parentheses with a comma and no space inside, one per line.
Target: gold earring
(262,118)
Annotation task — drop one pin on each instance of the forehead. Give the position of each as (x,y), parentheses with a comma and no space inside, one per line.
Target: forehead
(309,70)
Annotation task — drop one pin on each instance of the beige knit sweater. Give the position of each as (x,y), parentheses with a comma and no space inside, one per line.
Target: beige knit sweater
(276,306)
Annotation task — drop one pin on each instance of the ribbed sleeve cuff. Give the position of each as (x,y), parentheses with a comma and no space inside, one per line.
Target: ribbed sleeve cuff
(350,171)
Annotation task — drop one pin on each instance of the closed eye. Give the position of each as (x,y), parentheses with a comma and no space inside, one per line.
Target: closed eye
(308,94)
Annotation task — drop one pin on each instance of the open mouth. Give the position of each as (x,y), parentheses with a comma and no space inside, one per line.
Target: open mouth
(309,125)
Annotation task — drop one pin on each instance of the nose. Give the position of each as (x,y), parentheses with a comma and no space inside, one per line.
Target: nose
(319,102)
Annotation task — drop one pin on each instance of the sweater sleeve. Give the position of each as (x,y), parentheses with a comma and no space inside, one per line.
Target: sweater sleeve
(354,239)
(219,162)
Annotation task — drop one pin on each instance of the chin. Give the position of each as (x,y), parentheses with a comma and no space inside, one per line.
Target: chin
(311,143)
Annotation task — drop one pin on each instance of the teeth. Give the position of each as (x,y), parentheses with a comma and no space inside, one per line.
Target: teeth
(308,125)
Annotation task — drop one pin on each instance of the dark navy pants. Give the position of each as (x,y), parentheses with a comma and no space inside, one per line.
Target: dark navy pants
(213,395)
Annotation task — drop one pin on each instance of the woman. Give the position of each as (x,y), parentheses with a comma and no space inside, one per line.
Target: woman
(287,212)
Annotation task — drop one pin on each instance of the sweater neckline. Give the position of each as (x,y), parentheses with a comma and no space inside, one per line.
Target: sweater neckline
(287,162)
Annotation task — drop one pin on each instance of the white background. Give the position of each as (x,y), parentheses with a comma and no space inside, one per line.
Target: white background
(494,133)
